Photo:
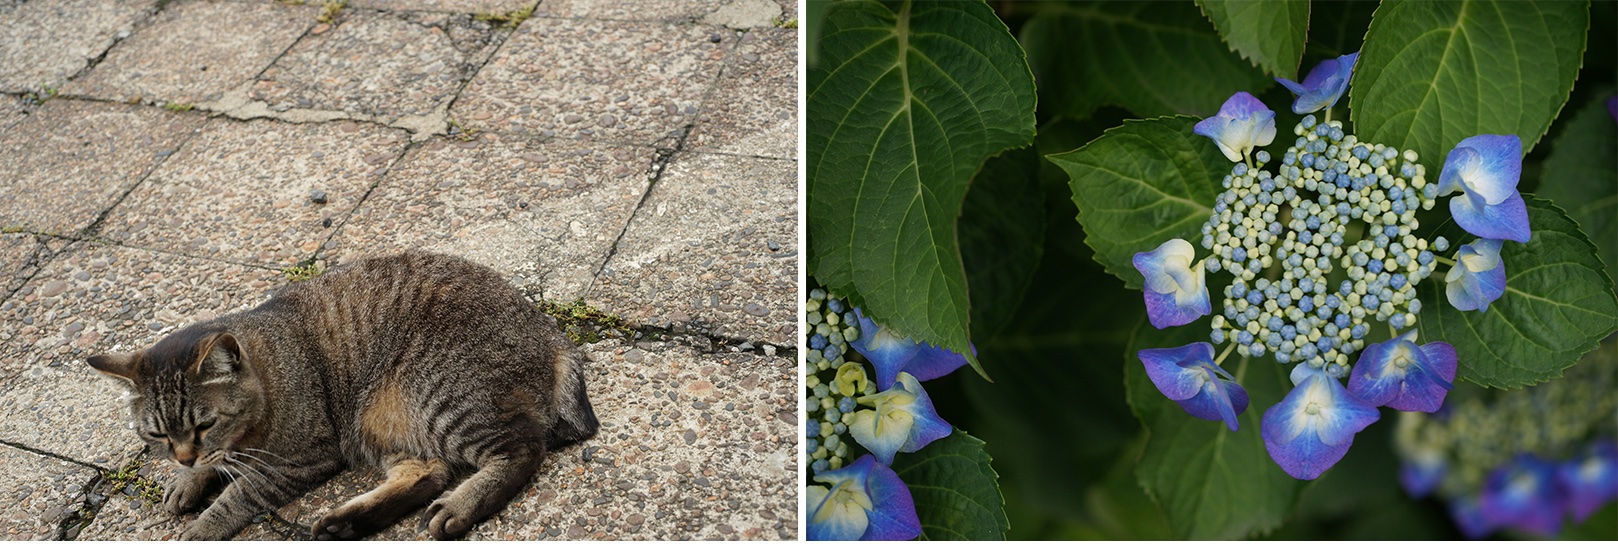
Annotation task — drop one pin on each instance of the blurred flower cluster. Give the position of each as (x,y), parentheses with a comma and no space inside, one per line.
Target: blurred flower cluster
(1528,460)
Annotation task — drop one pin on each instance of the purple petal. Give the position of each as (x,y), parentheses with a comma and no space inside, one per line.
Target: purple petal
(1420,478)
(1522,494)
(1164,310)
(932,362)
(888,353)
(1376,378)
(1458,161)
(1306,444)
(1590,481)
(1468,515)
(1173,371)
(1243,105)
(1507,220)
(1429,381)
(893,511)
(1324,85)
(1219,400)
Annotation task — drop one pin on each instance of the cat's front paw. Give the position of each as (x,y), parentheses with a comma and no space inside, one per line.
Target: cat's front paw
(446,520)
(334,526)
(186,492)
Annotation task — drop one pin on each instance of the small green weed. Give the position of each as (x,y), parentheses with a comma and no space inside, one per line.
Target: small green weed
(300,273)
(786,23)
(329,12)
(583,323)
(179,106)
(129,480)
(508,19)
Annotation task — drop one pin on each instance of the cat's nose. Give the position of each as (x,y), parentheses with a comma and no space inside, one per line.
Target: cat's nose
(186,455)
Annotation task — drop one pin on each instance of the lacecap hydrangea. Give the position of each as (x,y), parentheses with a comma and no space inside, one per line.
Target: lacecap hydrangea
(866,406)
(1324,252)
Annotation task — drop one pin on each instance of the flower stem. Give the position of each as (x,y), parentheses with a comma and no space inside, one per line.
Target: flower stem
(1327,116)
(1228,348)
(1445,261)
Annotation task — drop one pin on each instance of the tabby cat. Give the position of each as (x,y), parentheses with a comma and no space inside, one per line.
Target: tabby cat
(429,365)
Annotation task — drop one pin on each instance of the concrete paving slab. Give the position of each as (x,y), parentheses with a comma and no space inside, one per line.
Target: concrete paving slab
(12,110)
(225,45)
(545,214)
(69,161)
(37,492)
(44,42)
(92,299)
(754,109)
(714,248)
(245,191)
(693,446)
(447,6)
(19,259)
(647,10)
(379,64)
(595,80)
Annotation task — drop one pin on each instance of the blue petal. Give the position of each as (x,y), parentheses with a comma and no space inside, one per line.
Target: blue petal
(1468,515)
(1493,171)
(891,354)
(1165,311)
(1156,266)
(828,523)
(1173,370)
(1219,400)
(1243,122)
(1420,386)
(887,352)
(1243,105)
(1305,445)
(1323,86)
(1458,161)
(931,362)
(1590,481)
(928,425)
(1420,477)
(1429,381)
(1522,494)
(1507,220)
(893,513)
(1468,290)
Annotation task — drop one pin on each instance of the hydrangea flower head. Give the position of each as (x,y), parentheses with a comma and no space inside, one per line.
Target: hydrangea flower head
(1478,277)
(1176,291)
(1323,86)
(1468,515)
(865,500)
(1243,123)
(1486,168)
(903,419)
(1590,481)
(1523,495)
(891,354)
(1421,476)
(1313,427)
(1401,375)
(1189,376)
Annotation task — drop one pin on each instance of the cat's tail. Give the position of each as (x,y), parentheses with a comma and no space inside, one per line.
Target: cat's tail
(576,419)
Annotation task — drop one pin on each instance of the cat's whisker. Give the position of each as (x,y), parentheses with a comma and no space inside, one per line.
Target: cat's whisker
(267,452)
(262,463)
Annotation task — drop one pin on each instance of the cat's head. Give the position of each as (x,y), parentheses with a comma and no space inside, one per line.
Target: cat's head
(193,396)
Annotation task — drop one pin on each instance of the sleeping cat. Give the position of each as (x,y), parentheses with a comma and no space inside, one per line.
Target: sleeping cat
(428,365)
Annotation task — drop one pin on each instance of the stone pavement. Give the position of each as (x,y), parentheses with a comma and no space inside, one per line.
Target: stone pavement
(166,161)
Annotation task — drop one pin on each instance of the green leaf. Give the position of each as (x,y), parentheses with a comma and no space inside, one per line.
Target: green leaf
(903,108)
(1558,305)
(1337,28)
(1212,484)
(1580,176)
(1002,236)
(1433,73)
(954,489)
(1141,184)
(1152,58)
(1270,34)
(1057,368)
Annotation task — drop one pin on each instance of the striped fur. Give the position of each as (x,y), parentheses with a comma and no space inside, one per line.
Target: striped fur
(428,365)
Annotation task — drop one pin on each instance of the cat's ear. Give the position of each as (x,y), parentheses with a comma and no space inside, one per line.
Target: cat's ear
(121,366)
(223,357)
